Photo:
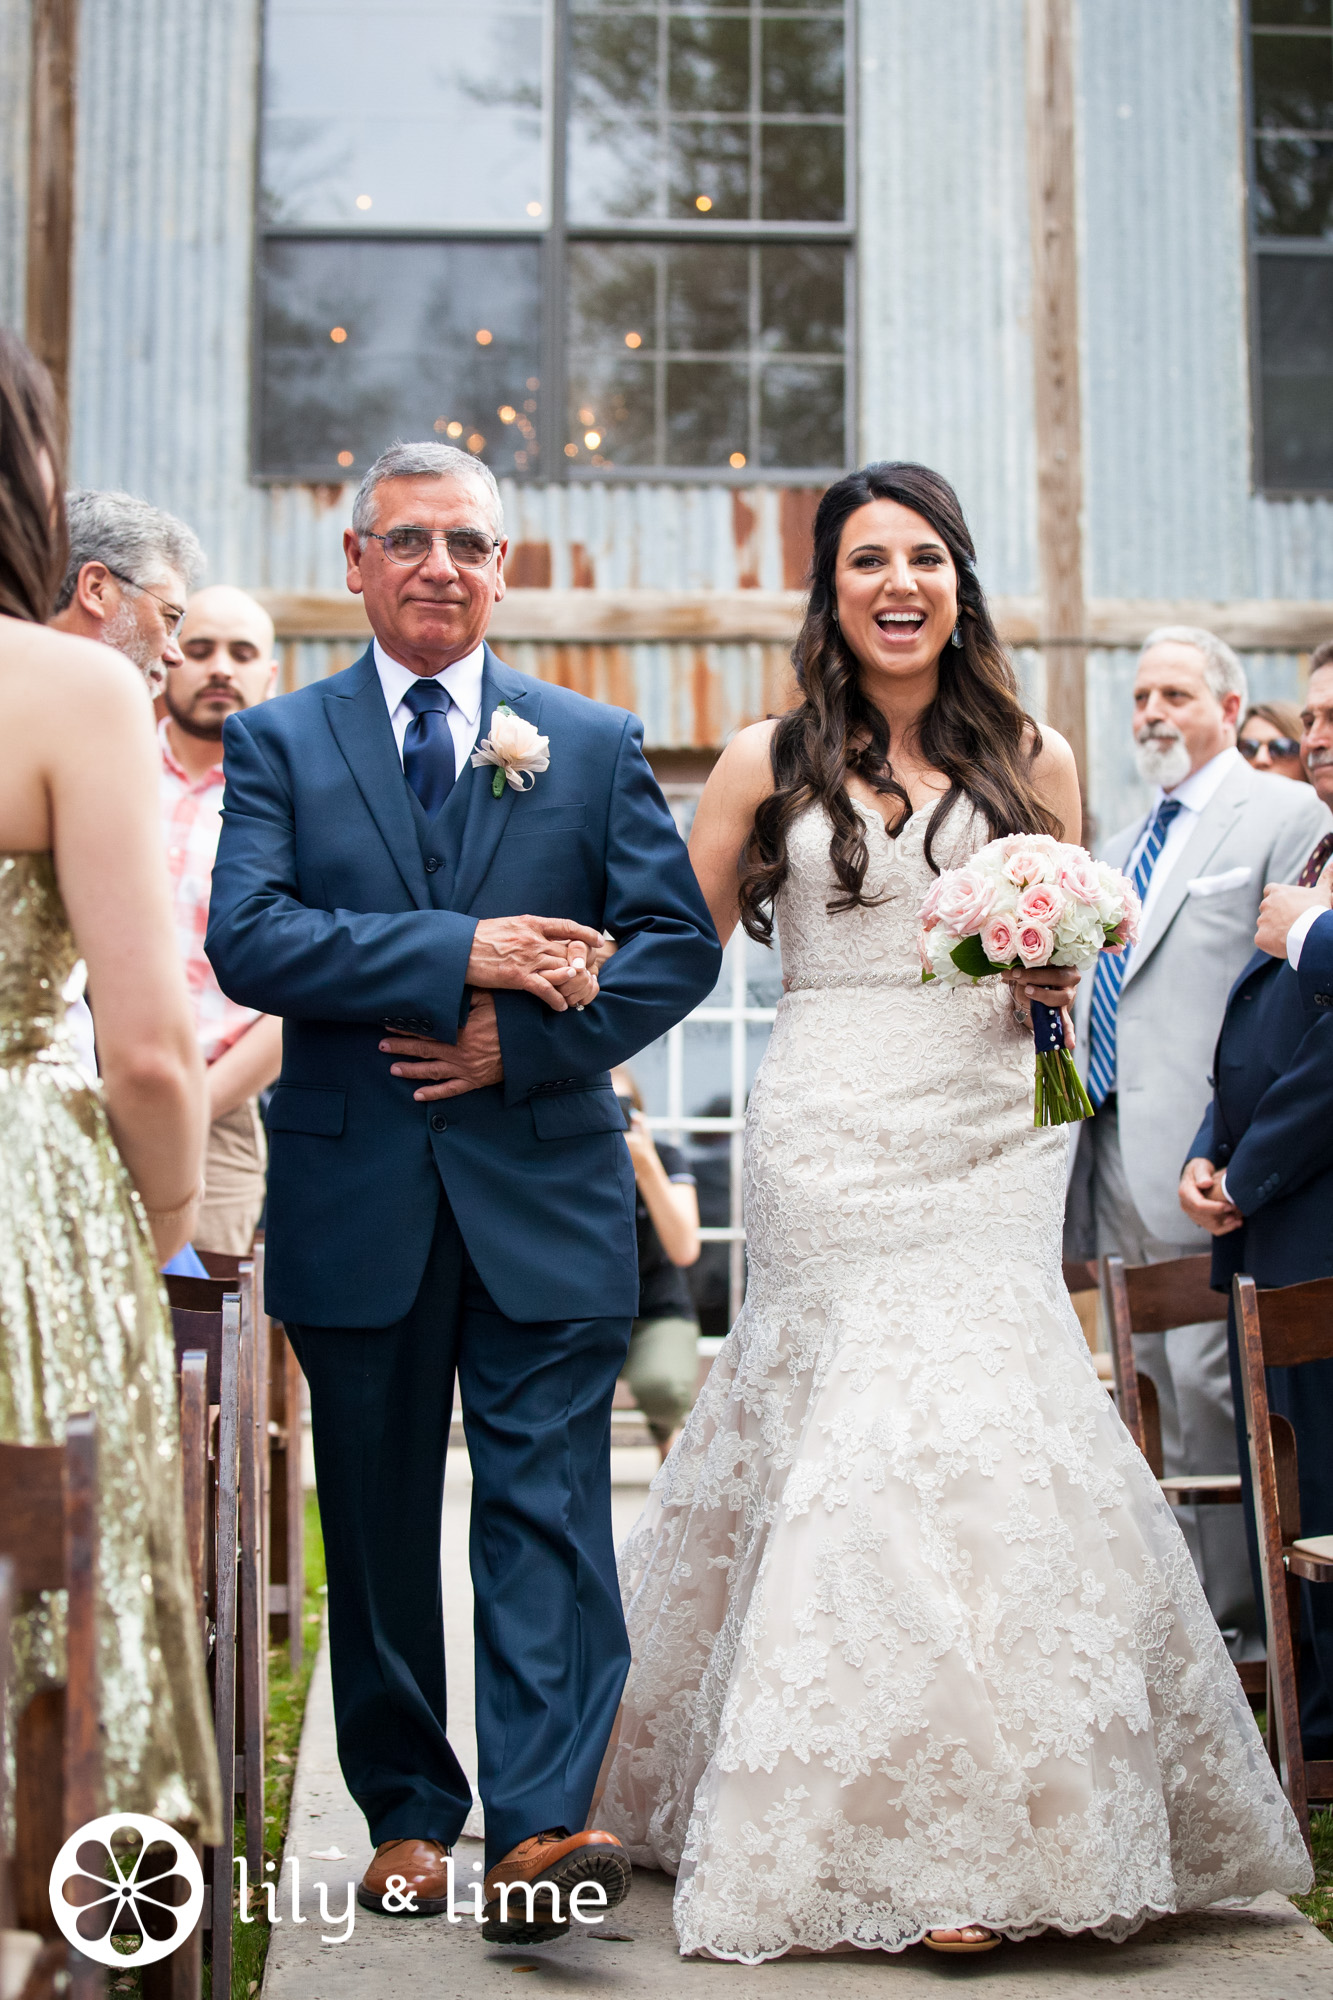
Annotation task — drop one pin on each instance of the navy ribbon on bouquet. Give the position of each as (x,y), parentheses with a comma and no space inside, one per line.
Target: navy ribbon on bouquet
(1048,1028)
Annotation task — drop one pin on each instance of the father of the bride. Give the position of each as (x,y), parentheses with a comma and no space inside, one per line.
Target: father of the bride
(449,1190)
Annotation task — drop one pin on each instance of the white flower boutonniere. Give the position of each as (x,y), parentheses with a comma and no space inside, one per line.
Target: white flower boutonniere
(515,749)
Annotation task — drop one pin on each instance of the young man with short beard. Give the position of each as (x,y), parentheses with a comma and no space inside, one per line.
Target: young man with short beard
(1216,832)
(228,664)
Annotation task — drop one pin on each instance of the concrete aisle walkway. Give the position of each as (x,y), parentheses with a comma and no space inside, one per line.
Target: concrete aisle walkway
(1268,1950)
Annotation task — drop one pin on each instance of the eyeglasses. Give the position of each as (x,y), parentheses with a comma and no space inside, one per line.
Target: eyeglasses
(1276,746)
(468,547)
(175,615)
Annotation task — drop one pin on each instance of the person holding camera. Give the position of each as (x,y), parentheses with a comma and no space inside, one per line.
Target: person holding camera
(662,1365)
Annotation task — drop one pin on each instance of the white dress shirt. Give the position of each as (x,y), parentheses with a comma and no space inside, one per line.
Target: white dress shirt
(462,679)
(1193,794)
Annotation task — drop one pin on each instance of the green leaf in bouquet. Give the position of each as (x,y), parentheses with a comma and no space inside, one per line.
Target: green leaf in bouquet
(970,957)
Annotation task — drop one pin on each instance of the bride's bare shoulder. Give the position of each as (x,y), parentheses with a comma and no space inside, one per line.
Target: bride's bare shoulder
(45,670)
(743,774)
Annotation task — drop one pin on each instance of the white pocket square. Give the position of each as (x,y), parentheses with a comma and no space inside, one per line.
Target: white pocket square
(1217,885)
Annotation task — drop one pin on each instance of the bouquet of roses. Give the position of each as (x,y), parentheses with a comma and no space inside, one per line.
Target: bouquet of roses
(1025,901)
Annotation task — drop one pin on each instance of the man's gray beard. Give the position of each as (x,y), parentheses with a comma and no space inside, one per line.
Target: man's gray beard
(1165,763)
(122,631)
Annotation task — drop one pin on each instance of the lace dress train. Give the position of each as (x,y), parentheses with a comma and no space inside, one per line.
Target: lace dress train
(917,1642)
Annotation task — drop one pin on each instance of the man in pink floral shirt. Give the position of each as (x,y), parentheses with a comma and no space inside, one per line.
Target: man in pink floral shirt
(227,643)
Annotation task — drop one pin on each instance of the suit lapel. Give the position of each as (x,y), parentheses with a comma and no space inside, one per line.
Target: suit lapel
(487,816)
(360,723)
(1215,822)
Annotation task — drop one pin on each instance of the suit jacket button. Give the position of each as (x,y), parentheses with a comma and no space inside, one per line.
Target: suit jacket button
(438,1122)
(432,863)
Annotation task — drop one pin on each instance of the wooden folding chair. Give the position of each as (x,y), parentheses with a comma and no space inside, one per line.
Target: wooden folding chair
(1284,1328)
(285,1500)
(207,1325)
(1150,1298)
(48,1530)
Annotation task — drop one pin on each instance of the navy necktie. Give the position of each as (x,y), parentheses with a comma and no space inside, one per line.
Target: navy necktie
(428,747)
(1109,977)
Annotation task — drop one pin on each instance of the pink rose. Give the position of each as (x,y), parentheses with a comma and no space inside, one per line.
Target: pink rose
(922,950)
(1080,880)
(964,900)
(1027,863)
(999,939)
(1034,943)
(929,911)
(1043,903)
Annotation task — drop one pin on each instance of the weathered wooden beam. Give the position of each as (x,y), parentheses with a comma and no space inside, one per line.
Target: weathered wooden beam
(1056,407)
(772,617)
(51,141)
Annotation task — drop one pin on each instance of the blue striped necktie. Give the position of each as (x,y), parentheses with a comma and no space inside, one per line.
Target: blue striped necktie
(1112,965)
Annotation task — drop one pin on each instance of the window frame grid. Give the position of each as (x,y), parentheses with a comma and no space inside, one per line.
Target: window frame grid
(1259,247)
(555,238)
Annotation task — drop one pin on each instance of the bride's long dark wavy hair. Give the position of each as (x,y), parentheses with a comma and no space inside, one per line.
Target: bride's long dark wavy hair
(975,730)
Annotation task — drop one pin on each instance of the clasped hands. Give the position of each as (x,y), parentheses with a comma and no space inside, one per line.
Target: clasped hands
(551,957)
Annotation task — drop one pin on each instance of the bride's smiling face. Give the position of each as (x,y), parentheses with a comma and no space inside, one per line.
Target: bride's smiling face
(897,591)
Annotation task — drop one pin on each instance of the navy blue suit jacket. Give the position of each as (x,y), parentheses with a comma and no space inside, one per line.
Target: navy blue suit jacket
(1270,1123)
(338,905)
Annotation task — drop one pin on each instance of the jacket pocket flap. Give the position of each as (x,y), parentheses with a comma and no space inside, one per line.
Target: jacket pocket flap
(300,1107)
(528,822)
(568,1114)
(1217,885)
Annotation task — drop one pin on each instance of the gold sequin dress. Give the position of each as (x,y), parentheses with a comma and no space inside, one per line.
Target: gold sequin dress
(84,1326)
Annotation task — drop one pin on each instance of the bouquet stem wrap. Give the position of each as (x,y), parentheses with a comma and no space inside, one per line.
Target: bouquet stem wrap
(1061,1098)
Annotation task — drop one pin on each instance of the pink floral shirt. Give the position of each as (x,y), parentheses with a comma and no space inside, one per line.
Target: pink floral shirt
(191,824)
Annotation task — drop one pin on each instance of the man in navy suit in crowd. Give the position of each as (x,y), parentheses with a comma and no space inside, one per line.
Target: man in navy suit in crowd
(1260,1174)
(450,1194)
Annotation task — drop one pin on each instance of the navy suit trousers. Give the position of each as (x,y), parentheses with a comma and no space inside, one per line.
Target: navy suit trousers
(551,1650)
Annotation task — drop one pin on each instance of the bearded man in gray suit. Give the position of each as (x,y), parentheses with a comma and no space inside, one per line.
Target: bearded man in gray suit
(1148,1021)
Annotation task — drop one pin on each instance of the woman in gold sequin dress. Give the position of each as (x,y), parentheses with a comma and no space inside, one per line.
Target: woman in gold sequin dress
(97,1186)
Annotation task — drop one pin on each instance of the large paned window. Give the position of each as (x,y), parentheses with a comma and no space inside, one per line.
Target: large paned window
(578,237)
(1291,226)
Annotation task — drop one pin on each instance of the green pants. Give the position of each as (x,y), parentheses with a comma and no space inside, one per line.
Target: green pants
(661,1368)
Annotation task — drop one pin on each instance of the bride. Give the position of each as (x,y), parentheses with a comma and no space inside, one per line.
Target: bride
(919,1651)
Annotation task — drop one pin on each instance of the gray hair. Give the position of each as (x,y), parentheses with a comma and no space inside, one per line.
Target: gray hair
(128,536)
(1221,669)
(427,460)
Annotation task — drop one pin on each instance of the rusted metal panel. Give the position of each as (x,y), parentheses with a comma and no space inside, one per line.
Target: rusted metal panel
(944,278)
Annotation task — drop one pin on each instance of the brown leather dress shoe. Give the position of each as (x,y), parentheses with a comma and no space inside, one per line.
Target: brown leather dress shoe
(422,1891)
(564,1860)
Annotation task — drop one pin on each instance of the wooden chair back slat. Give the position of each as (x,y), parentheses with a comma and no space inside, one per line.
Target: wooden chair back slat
(1150,1419)
(32,1513)
(1296,1323)
(1176,1293)
(197,1294)
(8,1593)
(221,1264)
(1288,1482)
(1127,1380)
(200,1333)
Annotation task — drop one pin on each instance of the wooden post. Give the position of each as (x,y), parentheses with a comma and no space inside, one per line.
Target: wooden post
(50,268)
(1056,401)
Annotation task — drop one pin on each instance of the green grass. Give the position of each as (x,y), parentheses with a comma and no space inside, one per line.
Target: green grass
(286,1709)
(1318,1905)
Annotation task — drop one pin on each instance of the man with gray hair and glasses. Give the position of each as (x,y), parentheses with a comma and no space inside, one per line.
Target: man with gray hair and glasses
(131,568)
(1216,831)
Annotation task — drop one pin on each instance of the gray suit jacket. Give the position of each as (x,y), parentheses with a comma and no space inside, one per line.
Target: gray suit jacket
(1256,828)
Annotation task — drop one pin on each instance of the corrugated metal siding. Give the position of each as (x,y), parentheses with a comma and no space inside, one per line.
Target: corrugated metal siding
(15,37)
(944,271)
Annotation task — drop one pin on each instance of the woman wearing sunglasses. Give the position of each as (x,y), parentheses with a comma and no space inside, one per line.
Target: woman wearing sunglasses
(1270,739)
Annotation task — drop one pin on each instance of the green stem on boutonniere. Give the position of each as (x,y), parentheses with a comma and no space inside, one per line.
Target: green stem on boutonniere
(497,782)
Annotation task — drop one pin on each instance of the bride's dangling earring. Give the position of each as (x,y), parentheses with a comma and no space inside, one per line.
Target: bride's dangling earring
(957,638)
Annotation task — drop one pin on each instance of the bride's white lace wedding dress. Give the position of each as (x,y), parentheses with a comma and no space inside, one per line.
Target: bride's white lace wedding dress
(917,1642)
